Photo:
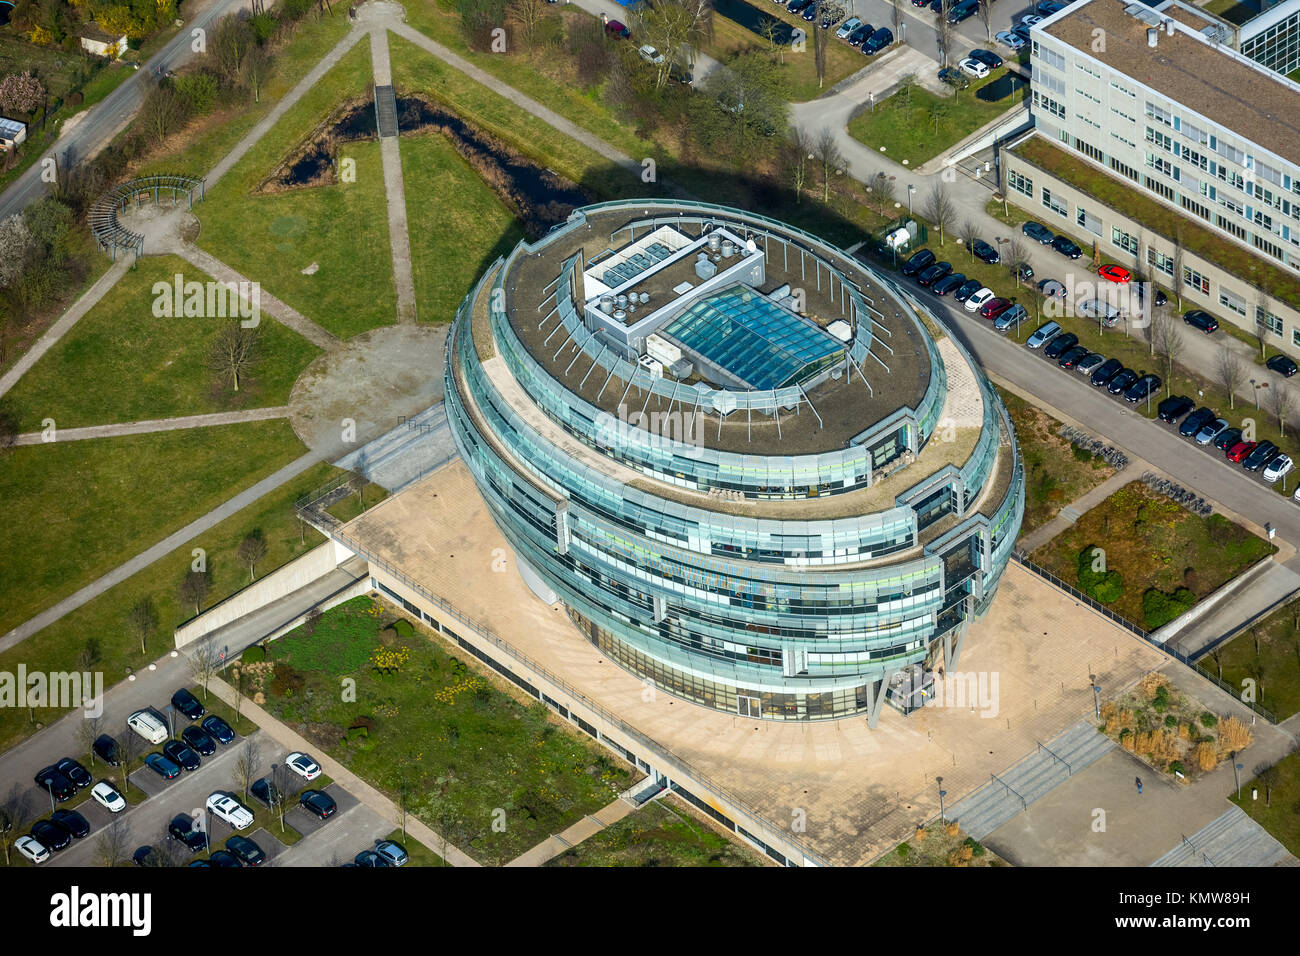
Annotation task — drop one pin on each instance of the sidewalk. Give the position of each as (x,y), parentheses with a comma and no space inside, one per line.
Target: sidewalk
(1071,512)
(588,826)
(158,425)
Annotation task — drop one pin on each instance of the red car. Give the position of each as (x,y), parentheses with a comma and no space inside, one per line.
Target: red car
(1114,273)
(1239,451)
(994,307)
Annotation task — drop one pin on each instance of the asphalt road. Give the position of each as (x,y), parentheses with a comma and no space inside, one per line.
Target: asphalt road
(111,115)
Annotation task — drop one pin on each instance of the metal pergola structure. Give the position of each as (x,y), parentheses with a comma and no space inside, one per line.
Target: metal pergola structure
(110,235)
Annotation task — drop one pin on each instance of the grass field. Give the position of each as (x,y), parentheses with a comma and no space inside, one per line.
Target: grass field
(474,225)
(661,833)
(468,754)
(84,507)
(342,227)
(1276,669)
(130,365)
(800,68)
(929,124)
(1153,543)
(1278,808)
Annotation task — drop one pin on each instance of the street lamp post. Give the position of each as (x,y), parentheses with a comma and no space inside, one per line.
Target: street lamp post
(910,190)
(942,793)
(1236,768)
(1096,694)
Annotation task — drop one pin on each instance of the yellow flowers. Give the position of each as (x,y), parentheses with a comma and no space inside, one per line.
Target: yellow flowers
(389,660)
(467,685)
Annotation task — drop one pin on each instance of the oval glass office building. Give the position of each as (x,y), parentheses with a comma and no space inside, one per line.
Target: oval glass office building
(756,473)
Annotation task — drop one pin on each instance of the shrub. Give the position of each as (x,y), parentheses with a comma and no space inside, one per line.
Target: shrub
(1208,719)
(1207,757)
(404,628)
(1234,735)
(1106,587)
(1081,454)
(1160,608)
(1171,721)
(1177,767)
(254,653)
(903,849)
(198,91)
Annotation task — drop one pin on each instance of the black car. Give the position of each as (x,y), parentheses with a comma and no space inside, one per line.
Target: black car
(1060,345)
(1282,365)
(218,728)
(985,253)
(197,738)
(145,856)
(967,289)
(51,781)
(1025,271)
(933,274)
(181,755)
(1198,319)
(1174,408)
(861,33)
(1227,438)
(72,821)
(1073,356)
(264,792)
(681,74)
(1105,372)
(182,830)
(878,41)
(810,13)
(948,284)
(162,766)
(1038,232)
(920,260)
(987,57)
(318,802)
(246,851)
(222,858)
(202,863)
(1066,247)
(370,858)
(108,750)
(188,704)
(954,77)
(1122,381)
(1264,452)
(51,835)
(798,6)
(75,772)
(1142,388)
(1193,422)
(1160,297)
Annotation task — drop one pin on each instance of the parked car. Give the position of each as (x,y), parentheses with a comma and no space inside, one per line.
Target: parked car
(1122,381)
(1099,309)
(145,856)
(1277,468)
(1264,452)
(1211,430)
(1159,298)
(1174,407)
(1011,318)
(72,821)
(1066,247)
(1239,451)
(245,851)
(1143,387)
(106,795)
(1071,357)
(1089,363)
(53,782)
(224,858)
(318,802)
(973,68)
(877,41)
(987,57)
(976,301)
(967,289)
(932,274)
(188,704)
(985,253)
(1283,365)
(1050,7)
(650,54)
(948,284)
(302,765)
(847,27)
(162,766)
(370,858)
(1030,19)
(148,726)
(1038,232)
(1227,438)
(31,849)
(75,772)
(1199,319)
(617,30)
(264,792)
(1009,39)
(1105,372)
(1114,273)
(182,755)
(218,728)
(199,739)
(108,750)
(1194,422)
(1060,345)
(231,810)
(182,830)
(1053,289)
(797,6)
(994,307)
(393,852)
(51,835)
(1024,271)
(681,74)
(962,11)
(954,77)
(919,260)
(1043,334)
(860,34)
(810,12)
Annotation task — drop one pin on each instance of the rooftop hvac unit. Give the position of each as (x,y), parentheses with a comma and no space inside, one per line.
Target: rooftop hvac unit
(841,330)
(1153,36)
(728,249)
(645,297)
(714,241)
(660,348)
(1169,28)
(778,294)
(682,368)
(607,304)
(620,315)
(705,269)
(653,366)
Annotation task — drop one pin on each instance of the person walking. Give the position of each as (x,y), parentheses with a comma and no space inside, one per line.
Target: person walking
(1138,781)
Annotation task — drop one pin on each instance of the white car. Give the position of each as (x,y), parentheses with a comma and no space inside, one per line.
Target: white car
(974,68)
(651,55)
(1030,20)
(302,765)
(848,26)
(148,726)
(106,795)
(231,810)
(1009,39)
(1279,466)
(32,848)
(977,299)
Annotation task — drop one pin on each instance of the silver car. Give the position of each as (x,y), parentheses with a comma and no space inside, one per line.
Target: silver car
(1042,334)
(1210,431)
(1088,364)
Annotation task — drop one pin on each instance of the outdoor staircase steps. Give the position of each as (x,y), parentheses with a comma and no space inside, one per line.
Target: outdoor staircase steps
(385,111)
(1231,839)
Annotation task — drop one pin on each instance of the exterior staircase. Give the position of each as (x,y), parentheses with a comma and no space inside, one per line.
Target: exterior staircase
(1233,839)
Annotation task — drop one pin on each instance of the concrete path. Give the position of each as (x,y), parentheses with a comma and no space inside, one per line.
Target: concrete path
(405,453)
(588,826)
(701,63)
(363,791)
(65,323)
(1080,506)
(1268,587)
(158,425)
(286,103)
(394,189)
(286,315)
(164,547)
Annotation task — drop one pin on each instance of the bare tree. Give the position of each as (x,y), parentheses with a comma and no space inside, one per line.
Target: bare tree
(940,207)
(236,680)
(1179,257)
(234,352)
(194,589)
(968,233)
(898,15)
(1270,777)
(162,111)
(1016,258)
(142,620)
(903,95)
(773,31)
(1263,292)
(113,844)
(1216,655)
(945,34)
(939,111)
(88,731)
(819,44)
(829,158)
(281,795)
(669,26)
(797,152)
(1230,373)
(128,751)
(1283,403)
(986,17)
(530,16)
(246,764)
(256,68)
(15,808)
(1169,346)
(882,191)
(204,662)
(252,550)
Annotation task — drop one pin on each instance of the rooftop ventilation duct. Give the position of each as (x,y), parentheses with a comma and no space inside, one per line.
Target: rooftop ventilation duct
(1169,28)
(1153,37)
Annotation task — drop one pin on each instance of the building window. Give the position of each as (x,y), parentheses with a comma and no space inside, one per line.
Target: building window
(1162,140)
(1049,104)
(1127,171)
(1233,179)
(1199,160)
(1020,183)
(1160,262)
(1227,225)
(1194,207)
(1270,321)
(1232,302)
(1123,240)
(1159,115)
(1158,187)
(1272,249)
(1088,221)
(1160,164)
(1295,337)
(1092,152)
(1055,205)
(1194,280)
(1124,90)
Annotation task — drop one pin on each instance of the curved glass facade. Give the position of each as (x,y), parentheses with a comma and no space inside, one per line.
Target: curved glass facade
(783,587)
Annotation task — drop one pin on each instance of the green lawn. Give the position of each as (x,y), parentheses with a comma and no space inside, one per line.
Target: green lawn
(101,622)
(343,227)
(930,124)
(130,365)
(1278,685)
(662,833)
(1153,543)
(474,225)
(78,509)
(417,853)
(1278,808)
(800,69)
(493,776)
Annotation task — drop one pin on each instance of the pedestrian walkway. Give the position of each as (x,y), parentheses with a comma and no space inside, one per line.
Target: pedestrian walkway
(1079,507)
(412,449)
(157,425)
(588,826)
(1233,839)
(345,778)
(394,187)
